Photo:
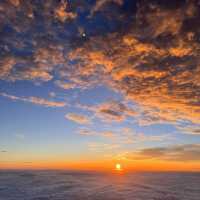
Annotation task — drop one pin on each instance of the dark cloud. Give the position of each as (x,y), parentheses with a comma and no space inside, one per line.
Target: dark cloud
(190,152)
(111,111)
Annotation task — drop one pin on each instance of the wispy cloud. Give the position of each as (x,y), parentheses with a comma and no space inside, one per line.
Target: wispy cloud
(35,100)
(80,119)
(125,136)
(3,151)
(103,147)
(192,129)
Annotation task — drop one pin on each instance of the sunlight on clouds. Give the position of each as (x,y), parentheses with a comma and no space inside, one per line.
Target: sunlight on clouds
(80,119)
(62,14)
(125,136)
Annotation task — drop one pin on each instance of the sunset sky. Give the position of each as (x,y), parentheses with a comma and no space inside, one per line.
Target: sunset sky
(86,84)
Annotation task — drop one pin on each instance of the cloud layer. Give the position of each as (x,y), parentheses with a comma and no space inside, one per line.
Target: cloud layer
(182,153)
(146,51)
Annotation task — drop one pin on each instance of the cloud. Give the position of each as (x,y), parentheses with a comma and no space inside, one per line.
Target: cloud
(86,132)
(80,119)
(124,136)
(39,67)
(65,85)
(181,153)
(6,65)
(15,3)
(192,129)
(101,3)
(62,14)
(3,151)
(102,147)
(111,111)
(160,78)
(105,134)
(34,100)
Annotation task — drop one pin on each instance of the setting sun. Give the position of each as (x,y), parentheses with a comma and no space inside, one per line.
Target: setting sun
(118,167)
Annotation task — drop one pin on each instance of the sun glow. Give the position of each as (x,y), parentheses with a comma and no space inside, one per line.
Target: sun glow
(118,167)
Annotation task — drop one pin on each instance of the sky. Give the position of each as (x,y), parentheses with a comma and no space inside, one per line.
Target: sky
(86,84)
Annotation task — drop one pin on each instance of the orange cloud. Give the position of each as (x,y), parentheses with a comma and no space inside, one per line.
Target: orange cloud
(6,65)
(62,14)
(154,62)
(15,3)
(65,85)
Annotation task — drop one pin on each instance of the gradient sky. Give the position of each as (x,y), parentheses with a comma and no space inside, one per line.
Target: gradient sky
(85,84)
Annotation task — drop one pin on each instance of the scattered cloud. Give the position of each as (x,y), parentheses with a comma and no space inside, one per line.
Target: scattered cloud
(125,136)
(62,14)
(35,100)
(114,111)
(65,85)
(111,111)
(149,53)
(88,132)
(80,119)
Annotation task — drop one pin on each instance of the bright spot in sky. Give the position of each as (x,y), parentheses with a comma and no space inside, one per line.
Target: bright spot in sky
(118,166)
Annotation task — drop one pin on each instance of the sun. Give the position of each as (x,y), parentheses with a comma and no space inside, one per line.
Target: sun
(118,167)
